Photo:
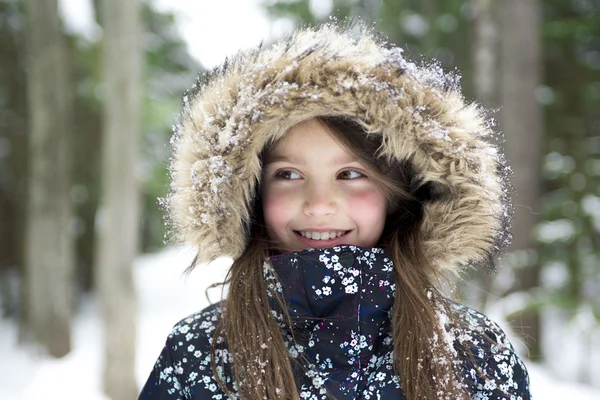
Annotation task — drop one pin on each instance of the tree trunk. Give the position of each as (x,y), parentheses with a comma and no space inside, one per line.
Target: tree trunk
(485,51)
(521,121)
(485,58)
(118,215)
(48,243)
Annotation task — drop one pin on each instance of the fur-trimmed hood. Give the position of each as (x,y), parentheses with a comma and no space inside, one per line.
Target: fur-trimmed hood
(254,98)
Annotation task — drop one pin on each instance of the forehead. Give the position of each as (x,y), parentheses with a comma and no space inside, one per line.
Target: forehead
(308,139)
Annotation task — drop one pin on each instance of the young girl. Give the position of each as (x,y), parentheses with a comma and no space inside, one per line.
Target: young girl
(344,181)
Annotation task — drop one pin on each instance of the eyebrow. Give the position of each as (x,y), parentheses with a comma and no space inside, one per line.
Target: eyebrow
(345,159)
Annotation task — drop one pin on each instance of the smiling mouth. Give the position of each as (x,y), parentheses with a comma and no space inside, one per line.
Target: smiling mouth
(321,235)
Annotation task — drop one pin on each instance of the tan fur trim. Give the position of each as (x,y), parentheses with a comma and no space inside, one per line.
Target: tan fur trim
(227,121)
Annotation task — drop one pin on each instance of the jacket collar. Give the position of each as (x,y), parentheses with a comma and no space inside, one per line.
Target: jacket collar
(339,301)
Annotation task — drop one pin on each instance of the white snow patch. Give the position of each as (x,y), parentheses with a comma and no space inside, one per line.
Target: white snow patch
(165,296)
(548,386)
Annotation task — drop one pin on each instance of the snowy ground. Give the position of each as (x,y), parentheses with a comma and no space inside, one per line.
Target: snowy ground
(165,296)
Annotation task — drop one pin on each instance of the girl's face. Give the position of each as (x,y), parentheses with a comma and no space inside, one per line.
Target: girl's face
(315,194)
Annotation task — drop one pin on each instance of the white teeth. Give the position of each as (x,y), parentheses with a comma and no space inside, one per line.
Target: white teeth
(321,235)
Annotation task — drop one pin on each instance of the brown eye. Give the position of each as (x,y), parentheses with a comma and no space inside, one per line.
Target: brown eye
(288,175)
(350,174)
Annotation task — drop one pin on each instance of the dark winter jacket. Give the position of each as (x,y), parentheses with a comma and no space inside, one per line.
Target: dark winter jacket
(339,300)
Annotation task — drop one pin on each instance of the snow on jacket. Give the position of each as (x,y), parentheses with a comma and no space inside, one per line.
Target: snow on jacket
(339,300)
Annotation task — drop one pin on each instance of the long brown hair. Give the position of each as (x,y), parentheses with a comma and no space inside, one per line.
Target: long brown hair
(427,367)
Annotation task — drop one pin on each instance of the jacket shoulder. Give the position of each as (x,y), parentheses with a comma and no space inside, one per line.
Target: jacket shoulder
(183,369)
(493,367)
(479,325)
(197,327)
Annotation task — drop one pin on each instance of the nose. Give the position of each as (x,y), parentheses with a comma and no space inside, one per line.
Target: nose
(320,200)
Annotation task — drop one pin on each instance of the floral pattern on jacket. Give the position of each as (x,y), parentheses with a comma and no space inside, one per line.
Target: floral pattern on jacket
(339,301)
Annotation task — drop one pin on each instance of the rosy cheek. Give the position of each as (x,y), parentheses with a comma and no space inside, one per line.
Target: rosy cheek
(368,209)
(276,210)
(367,201)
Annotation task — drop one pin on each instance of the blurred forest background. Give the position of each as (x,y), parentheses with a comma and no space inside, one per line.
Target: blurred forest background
(84,146)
